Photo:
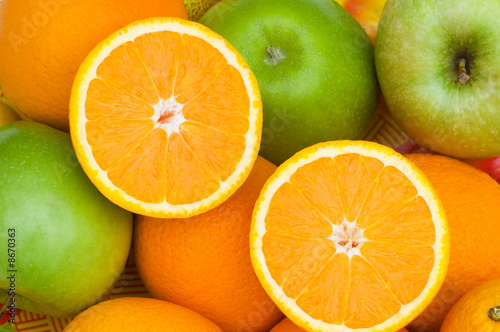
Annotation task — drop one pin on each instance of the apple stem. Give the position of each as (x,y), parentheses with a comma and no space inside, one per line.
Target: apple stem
(274,55)
(5,304)
(494,314)
(463,77)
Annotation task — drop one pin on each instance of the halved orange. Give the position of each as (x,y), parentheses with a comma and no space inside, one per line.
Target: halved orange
(349,236)
(165,118)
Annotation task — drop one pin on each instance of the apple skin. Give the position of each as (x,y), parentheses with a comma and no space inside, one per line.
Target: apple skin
(418,47)
(325,88)
(71,243)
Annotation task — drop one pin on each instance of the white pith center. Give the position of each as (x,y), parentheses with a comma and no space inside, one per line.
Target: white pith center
(168,115)
(347,238)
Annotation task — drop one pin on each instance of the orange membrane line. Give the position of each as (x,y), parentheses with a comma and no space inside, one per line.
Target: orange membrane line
(413,245)
(143,62)
(348,294)
(197,158)
(208,84)
(338,186)
(293,236)
(330,300)
(131,149)
(312,278)
(176,64)
(381,278)
(163,168)
(210,127)
(291,270)
(122,90)
(183,41)
(372,186)
(308,202)
(396,212)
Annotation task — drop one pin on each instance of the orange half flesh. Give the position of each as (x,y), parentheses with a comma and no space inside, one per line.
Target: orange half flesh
(349,236)
(166,118)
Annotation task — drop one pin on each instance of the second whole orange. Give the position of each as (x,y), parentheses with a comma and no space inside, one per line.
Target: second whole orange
(478,310)
(471,200)
(286,325)
(133,314)
(203,262)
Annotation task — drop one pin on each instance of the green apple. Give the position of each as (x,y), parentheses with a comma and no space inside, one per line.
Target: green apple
(438,63)
(62,244)
(314,65)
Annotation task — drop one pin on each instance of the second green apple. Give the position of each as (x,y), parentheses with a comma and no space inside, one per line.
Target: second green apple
(438,64)
(314,65)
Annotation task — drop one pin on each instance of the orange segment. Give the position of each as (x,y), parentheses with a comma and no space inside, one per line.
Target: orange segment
(349,235)
(370,301)
(108,150)
(292,214)
(208,64)
(163,69)
(291,269)
(217,110)
(325,296)
(356,175)
(217,150)
(124,68)
(166,118)
(184,170)
(139,165)
(414,213)
(390,193)
(107,101)
(199,111)
(321,190)
(402,267)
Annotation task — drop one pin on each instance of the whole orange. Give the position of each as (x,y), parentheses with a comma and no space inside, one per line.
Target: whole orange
(286,325)
(132,314)
(478,310)
(203,262)
(7,114)
(44,42)
(471,200)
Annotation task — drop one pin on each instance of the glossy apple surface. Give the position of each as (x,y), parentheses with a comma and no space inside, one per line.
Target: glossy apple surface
(314,65)
(70,242)
(438,64)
